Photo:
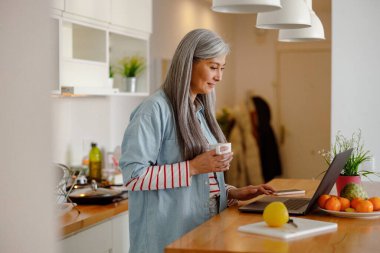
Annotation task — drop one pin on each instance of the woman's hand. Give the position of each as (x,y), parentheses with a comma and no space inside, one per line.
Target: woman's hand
(250,191)
(209,161)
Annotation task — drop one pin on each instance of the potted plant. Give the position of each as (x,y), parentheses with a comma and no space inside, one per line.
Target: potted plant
(111,74)
(130,68)
(350,172)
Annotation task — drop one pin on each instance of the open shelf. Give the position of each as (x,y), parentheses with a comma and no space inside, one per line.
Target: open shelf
(121,46)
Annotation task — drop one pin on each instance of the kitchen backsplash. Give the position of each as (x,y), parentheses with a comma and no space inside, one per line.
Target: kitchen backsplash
(79,121)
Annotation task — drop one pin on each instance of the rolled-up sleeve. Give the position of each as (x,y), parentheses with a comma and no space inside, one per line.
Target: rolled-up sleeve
(141,145)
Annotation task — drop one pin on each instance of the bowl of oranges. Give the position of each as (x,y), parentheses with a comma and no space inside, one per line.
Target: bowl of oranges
(354,208)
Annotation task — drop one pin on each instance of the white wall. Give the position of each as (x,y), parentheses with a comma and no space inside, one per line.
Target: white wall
(355,71)
(255,68)
(27,187)
(78,121)
(256,58)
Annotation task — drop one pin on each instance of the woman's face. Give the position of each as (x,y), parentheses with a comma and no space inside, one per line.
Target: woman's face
(205,74)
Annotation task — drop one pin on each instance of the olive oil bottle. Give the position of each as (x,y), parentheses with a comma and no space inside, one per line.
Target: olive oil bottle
(95,163)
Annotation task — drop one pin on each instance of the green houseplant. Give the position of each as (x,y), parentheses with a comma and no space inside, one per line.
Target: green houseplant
(130,67)
(111,74)
(350,172)
(111,71)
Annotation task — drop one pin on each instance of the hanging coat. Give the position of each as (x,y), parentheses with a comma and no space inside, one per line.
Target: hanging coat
(245,168)
(269,153)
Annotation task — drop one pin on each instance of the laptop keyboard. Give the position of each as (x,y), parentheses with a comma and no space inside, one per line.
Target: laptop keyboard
(291,204)
(294,204)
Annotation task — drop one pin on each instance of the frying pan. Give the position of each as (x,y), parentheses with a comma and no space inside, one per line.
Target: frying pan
(96,196)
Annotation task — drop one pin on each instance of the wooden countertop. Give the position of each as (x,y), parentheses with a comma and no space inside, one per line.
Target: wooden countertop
(220,234)
(73,222)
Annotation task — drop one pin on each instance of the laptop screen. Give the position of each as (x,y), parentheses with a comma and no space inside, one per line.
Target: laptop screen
(330,177)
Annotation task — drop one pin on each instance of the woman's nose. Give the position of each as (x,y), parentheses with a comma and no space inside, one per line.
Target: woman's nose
(218,76)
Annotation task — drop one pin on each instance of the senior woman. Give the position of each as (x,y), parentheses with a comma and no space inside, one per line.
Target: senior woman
(174,183)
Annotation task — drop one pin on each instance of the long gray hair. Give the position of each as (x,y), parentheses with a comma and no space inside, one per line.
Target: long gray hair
(196,45)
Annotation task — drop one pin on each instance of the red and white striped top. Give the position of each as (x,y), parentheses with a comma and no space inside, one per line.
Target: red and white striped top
(171,176)
(214,187)
(162,177)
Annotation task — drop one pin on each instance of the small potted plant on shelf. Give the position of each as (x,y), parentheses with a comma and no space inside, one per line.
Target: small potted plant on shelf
(130,68)
(111,74)
(350,172)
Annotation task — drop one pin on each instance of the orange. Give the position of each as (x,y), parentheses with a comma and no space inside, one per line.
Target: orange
(364,206)
(355,202)
(333,204)
(345,203)
(322,200)
(376,203)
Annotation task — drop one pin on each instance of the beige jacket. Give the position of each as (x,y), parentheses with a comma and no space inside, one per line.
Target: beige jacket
(245,168)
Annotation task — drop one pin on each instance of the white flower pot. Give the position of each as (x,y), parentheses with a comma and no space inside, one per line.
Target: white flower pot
(110,83)
(130,84)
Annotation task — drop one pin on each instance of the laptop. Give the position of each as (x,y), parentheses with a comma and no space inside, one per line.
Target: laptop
(302,206)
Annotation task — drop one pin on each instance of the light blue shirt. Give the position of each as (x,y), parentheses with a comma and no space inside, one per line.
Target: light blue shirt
(158,217)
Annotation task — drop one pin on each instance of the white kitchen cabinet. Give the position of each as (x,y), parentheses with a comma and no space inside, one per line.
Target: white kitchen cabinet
(133,14)
(97,239)
(89,43)
(83,56)
(86,54)
(111,236)
(120,225)
(95,9)
(58,4)
(54,45)
(83,42)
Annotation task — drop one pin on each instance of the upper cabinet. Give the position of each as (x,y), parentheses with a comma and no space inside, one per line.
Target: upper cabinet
(84,43)
(131,14)
(58,4)
(93,36)
(98,10)
(134,14)
(83,56)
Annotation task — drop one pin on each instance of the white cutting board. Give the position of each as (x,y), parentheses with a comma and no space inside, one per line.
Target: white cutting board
(305,228)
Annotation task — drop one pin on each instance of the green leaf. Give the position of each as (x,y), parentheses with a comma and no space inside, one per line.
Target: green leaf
(358,156)
(131,66)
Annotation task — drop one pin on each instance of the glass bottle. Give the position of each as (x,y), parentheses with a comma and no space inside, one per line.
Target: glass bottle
(95,163)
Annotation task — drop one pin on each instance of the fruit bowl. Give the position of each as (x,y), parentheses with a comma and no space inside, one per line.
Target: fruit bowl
(354,208)
(370,215)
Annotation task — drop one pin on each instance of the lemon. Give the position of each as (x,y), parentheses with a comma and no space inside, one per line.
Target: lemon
(276,214)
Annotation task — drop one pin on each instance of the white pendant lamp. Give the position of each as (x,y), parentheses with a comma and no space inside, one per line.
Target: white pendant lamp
(294,14)
(313,33)
(245,6)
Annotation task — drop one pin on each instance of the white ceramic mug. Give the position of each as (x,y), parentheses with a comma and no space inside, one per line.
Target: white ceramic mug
(220,148)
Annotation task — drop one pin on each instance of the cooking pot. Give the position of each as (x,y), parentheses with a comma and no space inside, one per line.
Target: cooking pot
(96,196)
